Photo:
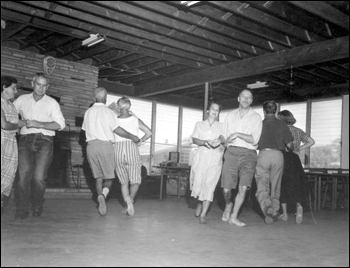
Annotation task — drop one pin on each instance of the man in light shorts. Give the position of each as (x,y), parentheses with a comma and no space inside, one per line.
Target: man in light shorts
(100,124)
(242,130)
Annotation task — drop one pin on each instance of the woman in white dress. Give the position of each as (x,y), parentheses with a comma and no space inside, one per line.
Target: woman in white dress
(207,161)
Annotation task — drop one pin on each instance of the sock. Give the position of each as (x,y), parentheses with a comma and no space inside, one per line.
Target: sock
(105,191)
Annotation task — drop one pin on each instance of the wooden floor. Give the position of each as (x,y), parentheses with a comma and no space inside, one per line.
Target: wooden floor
(166,233)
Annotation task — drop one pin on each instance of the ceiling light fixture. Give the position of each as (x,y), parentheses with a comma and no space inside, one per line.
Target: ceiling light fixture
(93,40)
(188,3)
(257,84)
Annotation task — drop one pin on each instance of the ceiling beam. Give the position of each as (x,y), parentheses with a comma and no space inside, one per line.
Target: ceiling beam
(300,56)
(327,12)
(80,30)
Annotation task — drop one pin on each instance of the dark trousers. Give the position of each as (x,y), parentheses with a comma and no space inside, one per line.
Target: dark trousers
(35,153)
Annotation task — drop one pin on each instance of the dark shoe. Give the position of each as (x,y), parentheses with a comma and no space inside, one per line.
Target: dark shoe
(21,215)
(268,216)
(275,218)
(268,219)
(37,212)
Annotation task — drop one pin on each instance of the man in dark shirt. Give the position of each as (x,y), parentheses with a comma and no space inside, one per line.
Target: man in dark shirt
(275,138)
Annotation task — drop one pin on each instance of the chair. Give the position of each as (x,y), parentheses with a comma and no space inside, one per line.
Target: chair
(150,183)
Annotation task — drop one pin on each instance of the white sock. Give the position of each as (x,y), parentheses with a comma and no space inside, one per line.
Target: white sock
(105,191)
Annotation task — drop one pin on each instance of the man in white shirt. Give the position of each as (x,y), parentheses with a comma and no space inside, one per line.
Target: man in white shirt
(242,130)
(43,117)
(100,124)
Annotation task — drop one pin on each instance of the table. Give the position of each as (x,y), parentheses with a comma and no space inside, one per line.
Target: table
(329,179)
(173,171)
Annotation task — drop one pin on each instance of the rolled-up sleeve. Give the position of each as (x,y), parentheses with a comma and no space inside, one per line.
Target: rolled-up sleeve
(257,128)
(57,115)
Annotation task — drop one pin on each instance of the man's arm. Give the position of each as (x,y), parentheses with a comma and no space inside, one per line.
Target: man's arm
(45,125)
(245,137)
(290,146)
(125,134)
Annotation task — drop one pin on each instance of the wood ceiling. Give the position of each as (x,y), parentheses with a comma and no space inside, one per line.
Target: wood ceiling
(167,51)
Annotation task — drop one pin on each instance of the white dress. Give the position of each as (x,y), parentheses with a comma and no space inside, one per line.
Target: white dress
(207,163)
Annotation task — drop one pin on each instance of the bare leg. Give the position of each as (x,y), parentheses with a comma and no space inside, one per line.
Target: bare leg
(198,211)
(127,198)
(284,215)
(206,205)
(133,190)
(99,185)
(238,203)
(227,196)
(125,191)
(229,205)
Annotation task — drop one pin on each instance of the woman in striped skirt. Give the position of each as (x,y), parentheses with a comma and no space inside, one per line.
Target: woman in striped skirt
(9,125)
(128,161)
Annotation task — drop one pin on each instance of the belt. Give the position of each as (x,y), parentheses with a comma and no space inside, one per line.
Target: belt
(269,149)
(37,134)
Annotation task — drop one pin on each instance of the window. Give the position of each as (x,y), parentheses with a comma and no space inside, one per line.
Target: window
(299,112)
(326,131)
(166,132)
(190,118)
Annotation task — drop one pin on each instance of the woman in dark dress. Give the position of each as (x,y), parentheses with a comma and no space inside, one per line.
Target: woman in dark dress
(294,188)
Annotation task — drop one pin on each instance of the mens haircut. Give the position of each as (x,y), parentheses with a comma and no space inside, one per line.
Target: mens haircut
(40,75)
(270,107)
(240,93)
(100,93)
(124,103)
(7,81)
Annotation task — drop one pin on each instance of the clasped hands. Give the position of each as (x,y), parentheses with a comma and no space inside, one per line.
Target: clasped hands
(231,137)
(28,123)
(212,144)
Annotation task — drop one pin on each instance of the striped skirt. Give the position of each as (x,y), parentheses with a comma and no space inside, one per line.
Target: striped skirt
(128,162)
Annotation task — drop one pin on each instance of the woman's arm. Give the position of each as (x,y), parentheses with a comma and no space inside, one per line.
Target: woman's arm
(6,125)
(199,142)
(148,132)
(310,142)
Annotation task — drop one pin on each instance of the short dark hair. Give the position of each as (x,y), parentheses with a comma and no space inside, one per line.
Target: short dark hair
(214,102)
(287,117)
(7,81)
(270,107)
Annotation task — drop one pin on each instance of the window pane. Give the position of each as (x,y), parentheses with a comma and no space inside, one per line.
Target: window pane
(166,133)
(326,131)
(299,112)
(190,118)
